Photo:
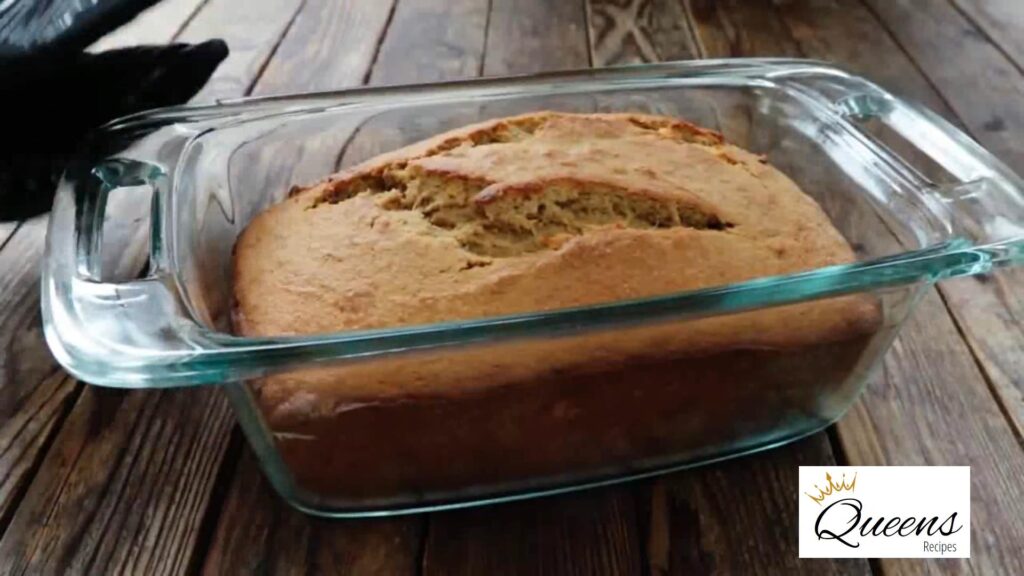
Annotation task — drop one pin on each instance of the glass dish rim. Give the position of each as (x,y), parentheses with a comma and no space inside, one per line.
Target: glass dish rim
(217,356)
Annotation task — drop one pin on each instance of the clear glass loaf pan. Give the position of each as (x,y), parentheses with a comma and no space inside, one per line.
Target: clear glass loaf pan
(917,199)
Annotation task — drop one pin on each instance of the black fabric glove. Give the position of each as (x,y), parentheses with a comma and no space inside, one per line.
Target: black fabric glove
(52,93)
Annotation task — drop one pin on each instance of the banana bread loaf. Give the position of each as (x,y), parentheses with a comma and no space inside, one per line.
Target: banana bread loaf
(539,212)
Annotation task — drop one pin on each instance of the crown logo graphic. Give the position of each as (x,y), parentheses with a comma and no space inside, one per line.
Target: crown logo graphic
(831,487)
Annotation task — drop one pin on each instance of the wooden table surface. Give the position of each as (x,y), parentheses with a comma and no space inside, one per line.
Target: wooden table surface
(161,482)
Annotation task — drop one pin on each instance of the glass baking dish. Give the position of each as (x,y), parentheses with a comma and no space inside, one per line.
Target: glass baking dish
(509,407)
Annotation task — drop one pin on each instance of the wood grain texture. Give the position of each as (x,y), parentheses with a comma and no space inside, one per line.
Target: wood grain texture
(6,229)
(591,532)
(633,31)
(34,392)
(127,482)
(158,24)
(1002,21)
(426,41)
(841,31)
(252,35)
(124,487)
(980,84)
(260,533)
(738,517)
(431,41)
(931,405)
(986,93)
(990,312)
(526,36)
(330,46)
(736,28)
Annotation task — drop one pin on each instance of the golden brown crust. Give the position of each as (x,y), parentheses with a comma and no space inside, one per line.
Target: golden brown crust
(540,211)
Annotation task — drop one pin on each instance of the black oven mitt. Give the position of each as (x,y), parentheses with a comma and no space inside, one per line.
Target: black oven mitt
(52,92)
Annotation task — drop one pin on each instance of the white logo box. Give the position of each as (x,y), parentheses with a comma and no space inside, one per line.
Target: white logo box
(885,511)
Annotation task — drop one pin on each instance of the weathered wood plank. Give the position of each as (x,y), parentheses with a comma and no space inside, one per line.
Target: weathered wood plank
(158,24)
(932,408)
(329,47)
(422,45)
(985,92)
(954,56)
(840,31)
(931,405)
(127,482)
(735,28)
(34,392)
(738,517)
(1000,20)
(259,533)
(123,488)
(633,31)
(526,36)
(592,532)
(426,45)
(990,312)
(252,35)
(6,229)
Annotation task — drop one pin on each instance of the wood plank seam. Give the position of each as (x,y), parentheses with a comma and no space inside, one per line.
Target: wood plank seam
(838,452)
(273,50)
(218,494)
(983,31)
(691,29)
(1015,426)
(5,240)
(376,49)
(421,550)
(483,51)
(369,72)
(59,419)
(587,16)
(192,16)
(882,25)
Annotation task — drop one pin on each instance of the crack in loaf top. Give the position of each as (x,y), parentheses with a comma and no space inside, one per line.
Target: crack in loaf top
(535,212)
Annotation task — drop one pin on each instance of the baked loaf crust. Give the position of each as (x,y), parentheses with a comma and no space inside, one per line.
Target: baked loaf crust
(539,212)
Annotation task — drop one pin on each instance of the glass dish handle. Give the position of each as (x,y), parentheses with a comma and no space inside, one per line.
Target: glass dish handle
(981,200)
(94,236)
